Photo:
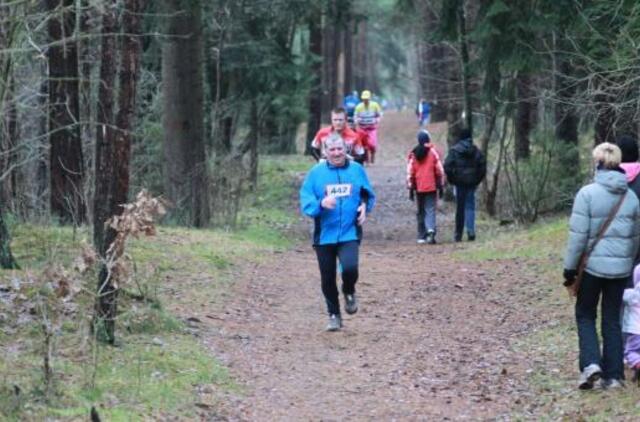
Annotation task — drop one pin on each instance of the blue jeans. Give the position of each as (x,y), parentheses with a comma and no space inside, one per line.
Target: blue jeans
(426,215)
(465,210)
(611,290)
(347,254)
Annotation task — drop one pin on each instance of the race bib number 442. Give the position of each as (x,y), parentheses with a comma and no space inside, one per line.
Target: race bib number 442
(340,190)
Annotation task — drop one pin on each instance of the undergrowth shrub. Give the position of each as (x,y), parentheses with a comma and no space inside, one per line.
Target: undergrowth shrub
(545,182)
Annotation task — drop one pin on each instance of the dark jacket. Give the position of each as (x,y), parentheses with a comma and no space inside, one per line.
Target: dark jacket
(465,164)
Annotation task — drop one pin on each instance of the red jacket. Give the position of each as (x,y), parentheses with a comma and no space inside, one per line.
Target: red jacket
(352,140)
(425,175)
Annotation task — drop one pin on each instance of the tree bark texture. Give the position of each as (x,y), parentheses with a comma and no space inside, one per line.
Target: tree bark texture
(128,76)
(65,156)
(315,93)
(87,59)
(328,67)
(360,70)
(453,97)
(464,56)
(434,66)
(565,113)
(8,148)
(104,164)
(627,121)
(254,139)
(348,58)
(605,118)
(183,114)
(524,110)
(336,89)
(107,294)
(7,261)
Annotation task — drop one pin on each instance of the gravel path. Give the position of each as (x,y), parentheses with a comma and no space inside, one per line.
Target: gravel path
(432,339)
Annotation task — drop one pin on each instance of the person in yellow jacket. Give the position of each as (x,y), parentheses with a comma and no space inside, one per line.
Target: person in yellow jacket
(367,116)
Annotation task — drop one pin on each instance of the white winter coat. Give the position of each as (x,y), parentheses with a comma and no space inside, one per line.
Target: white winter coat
(631,315)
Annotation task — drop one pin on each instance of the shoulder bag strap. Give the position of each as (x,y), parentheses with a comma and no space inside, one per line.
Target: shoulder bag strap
(603,229)
(582,263)
(607,223)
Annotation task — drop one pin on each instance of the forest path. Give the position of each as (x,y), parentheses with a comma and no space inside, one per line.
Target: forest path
(431,341)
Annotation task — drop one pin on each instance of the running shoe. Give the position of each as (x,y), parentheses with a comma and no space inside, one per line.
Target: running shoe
(335,323)
(351,304)
(590,374)
(611,384)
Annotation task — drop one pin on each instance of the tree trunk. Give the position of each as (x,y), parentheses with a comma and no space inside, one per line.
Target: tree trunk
(348,58)
(254,139)
(107,294)
(328,67)
(439,58)
(87,59)
(183,116)
(128,77)
(7,261)
(8,147)
(627,121)
(336,88)
(565,114)
(315,93)
(453,102)
(65,156)
(435,67)
(524,109)
(8,109)
(464,56)
(104,165)
(360,73)
(114,150)
(605,118)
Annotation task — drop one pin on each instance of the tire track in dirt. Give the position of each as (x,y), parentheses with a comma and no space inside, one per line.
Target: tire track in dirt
(431,340)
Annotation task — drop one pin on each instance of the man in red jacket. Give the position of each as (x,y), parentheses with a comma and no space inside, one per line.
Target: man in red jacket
(425,178)
(352,140)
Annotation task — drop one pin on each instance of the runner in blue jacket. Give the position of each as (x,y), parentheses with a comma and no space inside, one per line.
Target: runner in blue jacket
(338,195)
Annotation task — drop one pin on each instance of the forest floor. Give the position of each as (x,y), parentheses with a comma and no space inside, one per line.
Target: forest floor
(231,325)
(438,336)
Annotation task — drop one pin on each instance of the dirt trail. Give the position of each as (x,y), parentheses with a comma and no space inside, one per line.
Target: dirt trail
(431,340)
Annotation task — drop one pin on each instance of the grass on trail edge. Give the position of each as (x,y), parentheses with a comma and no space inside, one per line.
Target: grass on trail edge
(160,370)
(553,347)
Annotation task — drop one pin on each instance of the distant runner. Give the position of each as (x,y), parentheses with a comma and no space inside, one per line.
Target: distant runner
(367,116)
(350,103)
(423,108)
(338,196)
(353,141)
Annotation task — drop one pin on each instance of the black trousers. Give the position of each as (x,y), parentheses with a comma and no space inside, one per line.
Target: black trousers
(611,290)
(347,254)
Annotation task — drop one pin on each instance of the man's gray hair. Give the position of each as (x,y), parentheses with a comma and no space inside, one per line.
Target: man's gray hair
(332,139)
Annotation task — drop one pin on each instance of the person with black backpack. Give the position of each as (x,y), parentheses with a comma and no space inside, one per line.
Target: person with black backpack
(465,167)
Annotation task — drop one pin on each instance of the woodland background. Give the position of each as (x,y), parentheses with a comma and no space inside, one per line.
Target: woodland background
(102,98)
(186,100)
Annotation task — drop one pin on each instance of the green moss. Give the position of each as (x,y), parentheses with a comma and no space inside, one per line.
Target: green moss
(145,373)
(155,372)
(538,241)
